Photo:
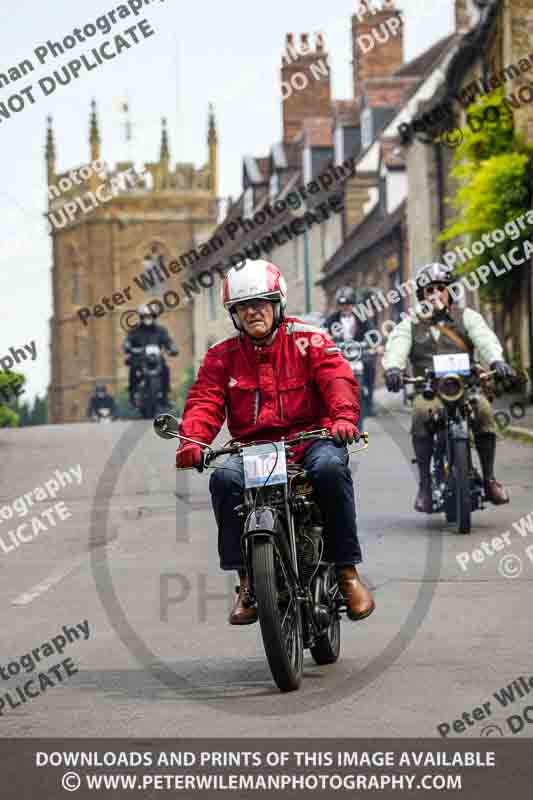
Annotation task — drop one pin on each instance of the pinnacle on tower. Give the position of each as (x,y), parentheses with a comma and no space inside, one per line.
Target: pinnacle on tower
(94,136)
(165,150)
(50,151)
(212,132)
(212,144)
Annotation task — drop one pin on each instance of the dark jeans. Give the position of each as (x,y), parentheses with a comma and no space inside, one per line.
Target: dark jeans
(327,466)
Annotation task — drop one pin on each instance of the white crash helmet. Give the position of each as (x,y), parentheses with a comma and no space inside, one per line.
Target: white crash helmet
(254,280)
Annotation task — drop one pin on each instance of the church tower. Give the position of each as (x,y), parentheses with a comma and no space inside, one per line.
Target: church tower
(105,229)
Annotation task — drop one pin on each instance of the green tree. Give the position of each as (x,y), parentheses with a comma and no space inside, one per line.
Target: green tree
(493,170)
(10,383)
(36,414)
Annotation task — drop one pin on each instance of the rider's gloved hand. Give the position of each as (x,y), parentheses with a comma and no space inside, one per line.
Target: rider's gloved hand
(188,456)
(344,432)
(393,379)
(502,369)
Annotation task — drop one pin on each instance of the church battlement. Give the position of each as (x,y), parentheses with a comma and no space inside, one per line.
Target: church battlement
(155,177)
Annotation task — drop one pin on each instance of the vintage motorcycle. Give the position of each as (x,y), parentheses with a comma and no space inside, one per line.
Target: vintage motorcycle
(102,416)
(356,354)
(148,362)
(298,599)
(457,485)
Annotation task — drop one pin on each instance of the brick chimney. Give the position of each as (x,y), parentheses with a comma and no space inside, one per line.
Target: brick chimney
(305,83)
(377,41)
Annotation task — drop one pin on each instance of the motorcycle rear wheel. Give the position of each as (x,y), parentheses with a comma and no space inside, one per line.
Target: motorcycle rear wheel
(327,647)
(281,623)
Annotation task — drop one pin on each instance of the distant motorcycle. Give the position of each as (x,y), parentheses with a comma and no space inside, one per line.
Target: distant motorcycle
(456,484)
(102,415)
(356,353)
(148,365)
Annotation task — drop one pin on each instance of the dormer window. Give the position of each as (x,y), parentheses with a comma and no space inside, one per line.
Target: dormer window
(248,202)
(274,185)
(367,128)
(307,158)
(339,146)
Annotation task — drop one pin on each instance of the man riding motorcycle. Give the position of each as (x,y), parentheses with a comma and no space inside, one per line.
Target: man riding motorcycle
(147,332)
(101,399)
(439,329)
(343,324)
(274,378)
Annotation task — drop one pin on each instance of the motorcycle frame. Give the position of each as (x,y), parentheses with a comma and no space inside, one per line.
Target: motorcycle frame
(266,522)
(456,425)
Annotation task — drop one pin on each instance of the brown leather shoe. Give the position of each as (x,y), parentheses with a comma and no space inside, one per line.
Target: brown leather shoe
(496,492)
(358,598)
(424,501)
(243,612)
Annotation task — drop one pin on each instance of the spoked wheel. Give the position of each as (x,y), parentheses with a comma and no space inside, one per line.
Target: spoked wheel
(279,617)
(327,647)
(463,500)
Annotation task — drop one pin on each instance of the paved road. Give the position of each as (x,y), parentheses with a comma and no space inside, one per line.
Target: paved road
(441,641)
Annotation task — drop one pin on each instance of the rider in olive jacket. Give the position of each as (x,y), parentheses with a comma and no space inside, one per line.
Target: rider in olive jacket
(444,329)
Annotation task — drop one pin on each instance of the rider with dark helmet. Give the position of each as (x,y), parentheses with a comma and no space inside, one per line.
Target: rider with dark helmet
(344,324)
(147,332)
(101,399)
(441,327)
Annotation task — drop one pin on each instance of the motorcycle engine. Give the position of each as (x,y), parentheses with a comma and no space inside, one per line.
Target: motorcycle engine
(311,546)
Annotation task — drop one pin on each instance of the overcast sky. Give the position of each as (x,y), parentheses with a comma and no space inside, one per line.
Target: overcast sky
(225,53)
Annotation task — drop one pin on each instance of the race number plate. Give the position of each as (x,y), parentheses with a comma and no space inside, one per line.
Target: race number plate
(458,363)
(260,461)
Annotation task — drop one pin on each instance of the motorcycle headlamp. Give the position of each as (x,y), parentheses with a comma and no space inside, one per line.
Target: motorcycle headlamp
(451,387)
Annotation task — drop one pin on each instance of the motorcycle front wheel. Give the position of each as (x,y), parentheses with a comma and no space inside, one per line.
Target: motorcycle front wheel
(461,471)
(280,618)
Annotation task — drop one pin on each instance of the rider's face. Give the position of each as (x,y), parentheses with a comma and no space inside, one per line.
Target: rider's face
(438,296)
(345,308)
(257,317)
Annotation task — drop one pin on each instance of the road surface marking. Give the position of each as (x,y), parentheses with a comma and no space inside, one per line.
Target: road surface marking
(36,591)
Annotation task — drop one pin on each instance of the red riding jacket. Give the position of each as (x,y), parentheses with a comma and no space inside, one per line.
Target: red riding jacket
(300,382)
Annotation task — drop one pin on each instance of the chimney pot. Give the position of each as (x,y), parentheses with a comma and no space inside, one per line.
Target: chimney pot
(304,44)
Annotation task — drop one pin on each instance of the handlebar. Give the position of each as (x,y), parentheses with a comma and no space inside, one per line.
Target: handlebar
(238,446)
(483,376)
(166,426)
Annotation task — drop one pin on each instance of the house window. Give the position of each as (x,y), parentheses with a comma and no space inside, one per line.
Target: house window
(297,259)
(248,203)
(367,128)
(339,146)
(307,165)
(76,295)
(211,303)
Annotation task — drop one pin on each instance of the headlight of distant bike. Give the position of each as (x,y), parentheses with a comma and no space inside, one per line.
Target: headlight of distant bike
(451,388)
